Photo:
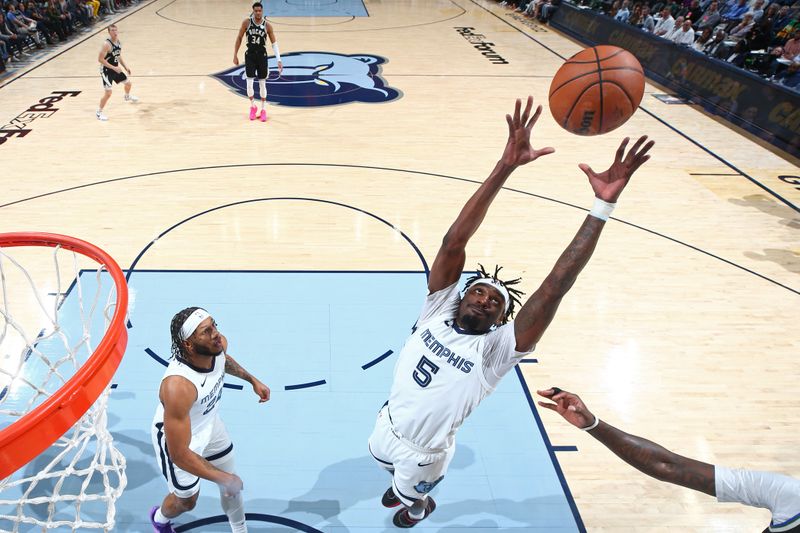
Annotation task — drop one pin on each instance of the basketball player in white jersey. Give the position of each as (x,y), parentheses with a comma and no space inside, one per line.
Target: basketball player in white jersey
(255,58)
(463,344)
(111,71)
(776,492)
(188,435)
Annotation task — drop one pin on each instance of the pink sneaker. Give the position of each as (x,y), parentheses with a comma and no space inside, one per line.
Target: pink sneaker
(252,112)
(263,115)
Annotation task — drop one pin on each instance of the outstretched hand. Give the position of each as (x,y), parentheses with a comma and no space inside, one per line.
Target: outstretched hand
(608,185)
(518,150)
(568,405)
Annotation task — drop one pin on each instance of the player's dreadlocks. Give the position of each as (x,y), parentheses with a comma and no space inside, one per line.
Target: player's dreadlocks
(175,330)
(514,294)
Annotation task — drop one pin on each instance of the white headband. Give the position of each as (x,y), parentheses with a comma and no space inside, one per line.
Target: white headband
(497,285)
(192,321)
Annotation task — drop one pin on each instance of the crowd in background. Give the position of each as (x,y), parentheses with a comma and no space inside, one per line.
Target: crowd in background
(761,37)
(29,25)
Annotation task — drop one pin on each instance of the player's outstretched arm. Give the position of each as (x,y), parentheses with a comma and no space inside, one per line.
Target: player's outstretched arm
(449,262)
(642,454)
(177,394)
(235,369)
(242,29)
(539,310)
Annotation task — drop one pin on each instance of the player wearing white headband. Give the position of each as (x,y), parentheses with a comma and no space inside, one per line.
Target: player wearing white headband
(462,346)
(188,435)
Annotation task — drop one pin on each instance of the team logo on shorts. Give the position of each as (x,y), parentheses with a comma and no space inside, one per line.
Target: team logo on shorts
(312,79)
(424,487)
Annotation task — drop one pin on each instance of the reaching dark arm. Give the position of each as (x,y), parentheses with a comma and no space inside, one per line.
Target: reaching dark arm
(655,460)
(540,308)
(642,454)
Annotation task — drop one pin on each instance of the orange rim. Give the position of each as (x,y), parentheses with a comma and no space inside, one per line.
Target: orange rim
(37,430)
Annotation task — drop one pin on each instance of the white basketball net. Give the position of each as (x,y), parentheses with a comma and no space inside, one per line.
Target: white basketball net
(43,341)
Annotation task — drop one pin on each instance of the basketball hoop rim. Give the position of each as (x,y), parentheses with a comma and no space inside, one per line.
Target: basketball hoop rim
(37,430)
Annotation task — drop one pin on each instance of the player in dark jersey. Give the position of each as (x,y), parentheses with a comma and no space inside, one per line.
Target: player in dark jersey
(111,72)
(257,30)
(776,492)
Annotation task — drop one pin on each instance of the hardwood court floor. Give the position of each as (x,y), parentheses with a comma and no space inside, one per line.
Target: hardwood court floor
(683,327)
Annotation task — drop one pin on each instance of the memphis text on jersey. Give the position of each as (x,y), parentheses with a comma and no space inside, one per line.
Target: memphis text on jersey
(444,353)
(213,397)
(44,108)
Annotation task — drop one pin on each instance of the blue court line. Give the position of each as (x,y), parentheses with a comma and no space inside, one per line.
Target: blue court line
(377,360)
(129,324)
(565,448)
(305,385)
(251,517)
(528,360)
(114,385)
(665,123)
(570,500)
(289,198)
(155,356)
(232,386)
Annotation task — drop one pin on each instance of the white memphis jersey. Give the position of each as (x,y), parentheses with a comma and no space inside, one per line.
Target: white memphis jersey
(768,490)
(443,373)
(209,391)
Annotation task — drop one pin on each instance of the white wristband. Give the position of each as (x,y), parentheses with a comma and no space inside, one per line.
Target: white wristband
(277,52)
(602,209)
(596,423)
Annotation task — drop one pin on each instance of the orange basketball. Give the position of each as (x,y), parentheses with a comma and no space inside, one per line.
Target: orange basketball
(596,90)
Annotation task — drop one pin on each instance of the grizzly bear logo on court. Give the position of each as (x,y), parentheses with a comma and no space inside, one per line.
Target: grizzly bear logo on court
(312,79)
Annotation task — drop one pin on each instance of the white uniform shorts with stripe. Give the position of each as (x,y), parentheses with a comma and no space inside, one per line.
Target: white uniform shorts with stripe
(416,471)
(214,445)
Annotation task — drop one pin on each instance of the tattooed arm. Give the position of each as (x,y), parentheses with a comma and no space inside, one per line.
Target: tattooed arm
(537,313)
(235,369)
(642,454)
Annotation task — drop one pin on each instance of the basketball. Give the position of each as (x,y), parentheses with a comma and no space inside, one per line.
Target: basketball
(597,90)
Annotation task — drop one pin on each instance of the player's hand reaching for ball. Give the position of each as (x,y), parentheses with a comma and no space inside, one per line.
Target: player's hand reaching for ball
(608,185)
(518,149)
(261,390)
(568,405)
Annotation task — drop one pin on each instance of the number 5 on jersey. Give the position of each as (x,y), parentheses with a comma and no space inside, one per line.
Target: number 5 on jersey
(422,375)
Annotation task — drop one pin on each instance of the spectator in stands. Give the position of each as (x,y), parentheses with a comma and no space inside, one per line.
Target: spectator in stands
(734,12)
(717,47)
(647,23)
(711,17)
(21,25)
(790,77)
(59,20)
(548,8)
(665,24)
(684,34)
(757,10)
(692,12)
(32,12)
(624,12)
(738,32)
(768,20)
(703,40)
(10,40)
(738,54)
